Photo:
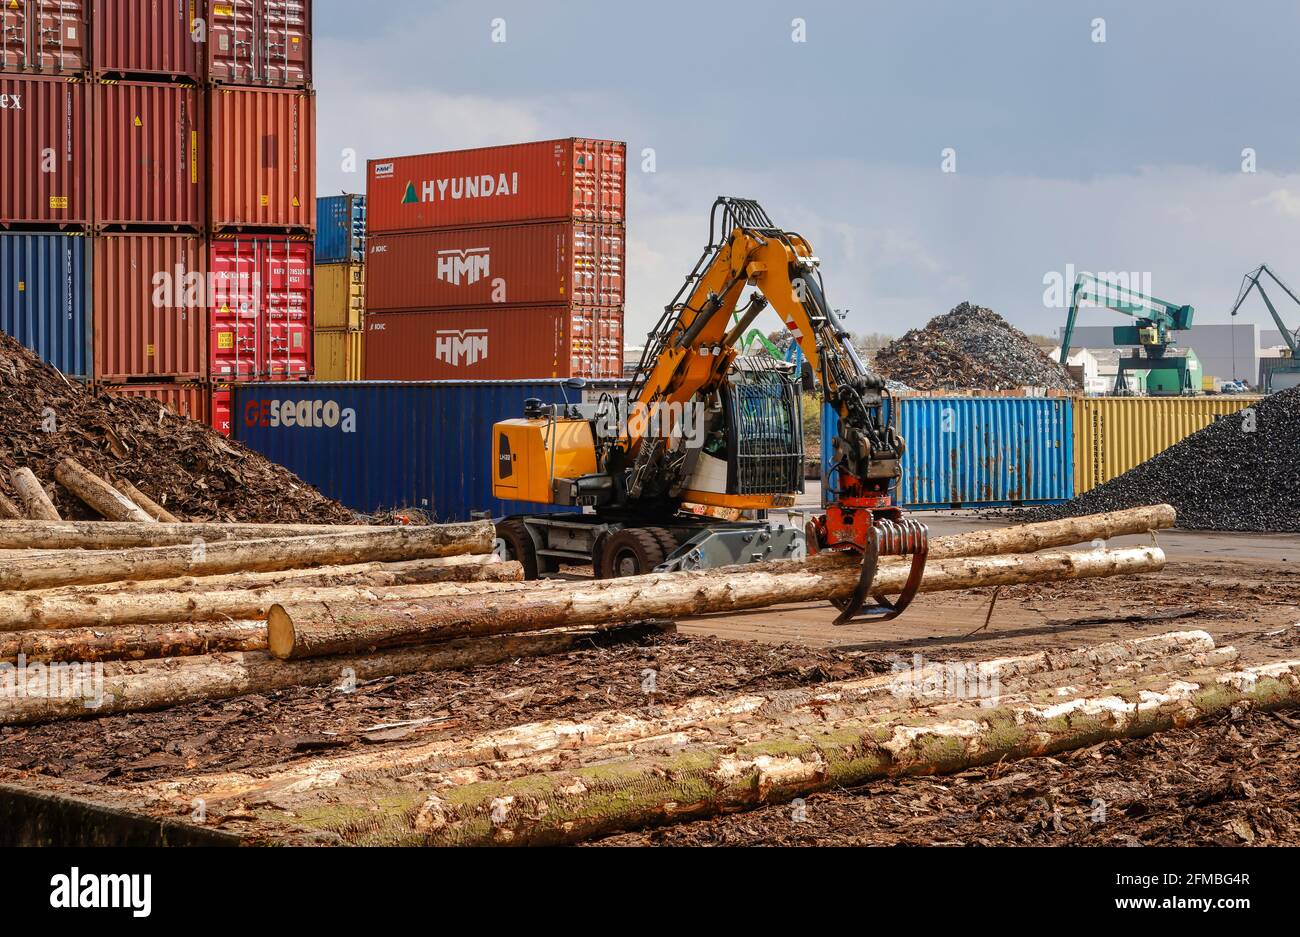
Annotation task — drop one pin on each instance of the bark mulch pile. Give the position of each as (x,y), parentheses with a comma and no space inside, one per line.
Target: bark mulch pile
(183,465)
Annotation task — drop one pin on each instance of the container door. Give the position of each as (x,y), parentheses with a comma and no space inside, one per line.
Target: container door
(13,39)
(232,41)
(287,352)
(284,53)
(236,310)
(58,34)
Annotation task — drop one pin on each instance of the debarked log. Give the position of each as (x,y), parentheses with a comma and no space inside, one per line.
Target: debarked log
(315,629)
(99,495)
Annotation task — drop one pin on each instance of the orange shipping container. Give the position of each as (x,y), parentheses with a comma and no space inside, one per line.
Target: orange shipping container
(495,344)
(149,170)
(147,37)
(150,318)
(187,400)
(44,152)
(260,42)
(45,36)
(262,159)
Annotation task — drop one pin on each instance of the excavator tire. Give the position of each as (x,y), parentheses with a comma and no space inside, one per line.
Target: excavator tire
(667,540)
(519,545)
(633,551)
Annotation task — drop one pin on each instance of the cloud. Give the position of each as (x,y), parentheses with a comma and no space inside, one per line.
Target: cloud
(1283,201)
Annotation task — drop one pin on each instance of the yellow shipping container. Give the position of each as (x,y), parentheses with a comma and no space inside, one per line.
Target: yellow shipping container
(339,354)
(1115,434)
(340,296)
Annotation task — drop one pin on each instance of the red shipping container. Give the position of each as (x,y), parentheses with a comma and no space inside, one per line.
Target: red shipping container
(260,42)
(557,180)
(262,159)
(219,406)
(187,400)
(44,158)
(261,312)
(147,37)
(532,265)
(44,36)
(149,170)
(150,321)
(495,344)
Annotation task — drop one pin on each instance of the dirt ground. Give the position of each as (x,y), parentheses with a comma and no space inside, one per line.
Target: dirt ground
(1234,781)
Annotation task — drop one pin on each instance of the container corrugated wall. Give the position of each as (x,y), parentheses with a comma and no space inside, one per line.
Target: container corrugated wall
(967,452)
(341,229)
(149,164)
(376,445)
(147,37)
(44,36)
(187,400)
(495,344)
(44,298)
(554,180)
(526,265)
(340,354)
(1115,434)
(51,117)
(340,296)
(150,310)
(262,147)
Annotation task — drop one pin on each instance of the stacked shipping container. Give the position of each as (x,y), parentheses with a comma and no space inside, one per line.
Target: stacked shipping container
(340,287)
(500,263)
(163,151)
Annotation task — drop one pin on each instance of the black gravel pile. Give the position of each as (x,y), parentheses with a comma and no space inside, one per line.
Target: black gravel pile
(1241,473)
(970,348)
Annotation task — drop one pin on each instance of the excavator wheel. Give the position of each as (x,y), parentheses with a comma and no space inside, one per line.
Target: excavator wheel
(667,540)
(519,545)
(633,551)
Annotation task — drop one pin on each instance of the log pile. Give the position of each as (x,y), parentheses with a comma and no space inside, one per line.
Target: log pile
(160,613)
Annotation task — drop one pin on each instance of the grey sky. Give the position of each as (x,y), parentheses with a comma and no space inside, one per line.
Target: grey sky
(1125,155)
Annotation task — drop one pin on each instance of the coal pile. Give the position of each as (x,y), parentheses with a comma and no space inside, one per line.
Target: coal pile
(185,466)
(970,348)
(1241,473)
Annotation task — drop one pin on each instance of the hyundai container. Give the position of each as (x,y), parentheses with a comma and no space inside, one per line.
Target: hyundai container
(149,308)
(149,164)
(974,452)
(44,152)
(340,296)
(376,446)
(529,265)
(260,42)
(261,158)
(44,36)
(187,400)
(44,298)
(158,39)
(556,180)
(261,309)
(341,229)
(495,344)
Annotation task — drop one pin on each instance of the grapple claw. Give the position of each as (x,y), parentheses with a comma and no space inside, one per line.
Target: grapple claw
(887,538)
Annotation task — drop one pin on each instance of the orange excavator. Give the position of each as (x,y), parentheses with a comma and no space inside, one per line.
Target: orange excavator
(705,431)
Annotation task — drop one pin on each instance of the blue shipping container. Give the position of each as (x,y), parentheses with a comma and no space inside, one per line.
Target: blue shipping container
(341,229)
(967,452)
(45,298)
(379,445)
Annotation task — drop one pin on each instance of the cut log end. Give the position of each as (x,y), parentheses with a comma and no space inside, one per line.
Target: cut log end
(279,633)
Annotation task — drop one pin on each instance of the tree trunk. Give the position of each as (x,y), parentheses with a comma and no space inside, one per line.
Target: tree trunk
(99,495)
(150,507)
(1030,538)
(109,535)
(36,502)
(22,611)
(134,642)
(315,629)
(9,510)
(390,543)
(135,686)
(467,567)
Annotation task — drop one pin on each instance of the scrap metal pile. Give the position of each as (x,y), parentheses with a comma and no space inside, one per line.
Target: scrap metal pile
(1240,473)
(179,464)
(970,348)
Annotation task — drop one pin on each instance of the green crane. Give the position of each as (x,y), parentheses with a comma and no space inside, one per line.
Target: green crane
(1287,374)
(1169,374)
